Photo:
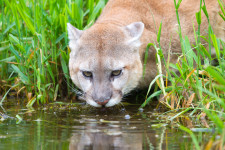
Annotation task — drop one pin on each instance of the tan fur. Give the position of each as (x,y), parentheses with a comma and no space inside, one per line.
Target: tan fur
(104,44)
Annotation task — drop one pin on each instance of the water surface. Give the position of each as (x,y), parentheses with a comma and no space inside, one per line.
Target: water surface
(61,126)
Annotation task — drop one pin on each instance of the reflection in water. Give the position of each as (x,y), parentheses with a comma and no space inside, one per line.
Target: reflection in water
(104,141)
(77,130)
(116,135)
(93,139)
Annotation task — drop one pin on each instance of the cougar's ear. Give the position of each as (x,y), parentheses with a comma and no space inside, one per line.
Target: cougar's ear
(134,32)
(73,34)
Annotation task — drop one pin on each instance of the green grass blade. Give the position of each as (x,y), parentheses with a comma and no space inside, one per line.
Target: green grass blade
(146,58)
(9,59)
(4,48)
(194,139)
(215,118)
(26,19)
(216,45)
(9,27)
(95,13)
(180,113)
(15,52)
(215,74)
(159,33)
(22,76)
(4,97)
(222,7)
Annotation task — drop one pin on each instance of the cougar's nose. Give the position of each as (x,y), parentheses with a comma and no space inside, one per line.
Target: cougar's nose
(102,102)
(102,92)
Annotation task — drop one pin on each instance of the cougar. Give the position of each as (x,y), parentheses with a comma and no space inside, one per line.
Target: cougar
(106,60)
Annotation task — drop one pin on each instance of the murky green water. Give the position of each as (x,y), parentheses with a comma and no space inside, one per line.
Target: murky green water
(60,127)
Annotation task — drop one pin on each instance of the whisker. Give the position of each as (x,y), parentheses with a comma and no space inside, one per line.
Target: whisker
(78,92)
(120,103)
(125,96)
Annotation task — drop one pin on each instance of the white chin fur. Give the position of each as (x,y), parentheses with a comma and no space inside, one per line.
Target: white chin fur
(113,102)
(92,103)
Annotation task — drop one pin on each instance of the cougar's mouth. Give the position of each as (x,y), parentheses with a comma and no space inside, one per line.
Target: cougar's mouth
(114,100)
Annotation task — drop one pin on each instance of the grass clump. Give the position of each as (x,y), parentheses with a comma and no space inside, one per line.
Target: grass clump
(200,88)
(33,45)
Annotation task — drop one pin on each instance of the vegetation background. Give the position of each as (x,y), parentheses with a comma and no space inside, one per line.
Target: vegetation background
(34,60)
(33,46)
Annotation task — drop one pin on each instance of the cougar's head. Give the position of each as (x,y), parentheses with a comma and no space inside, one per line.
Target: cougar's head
(104,61)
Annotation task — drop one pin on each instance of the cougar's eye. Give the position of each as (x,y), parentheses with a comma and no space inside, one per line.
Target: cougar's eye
(116,73)
(87,74)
